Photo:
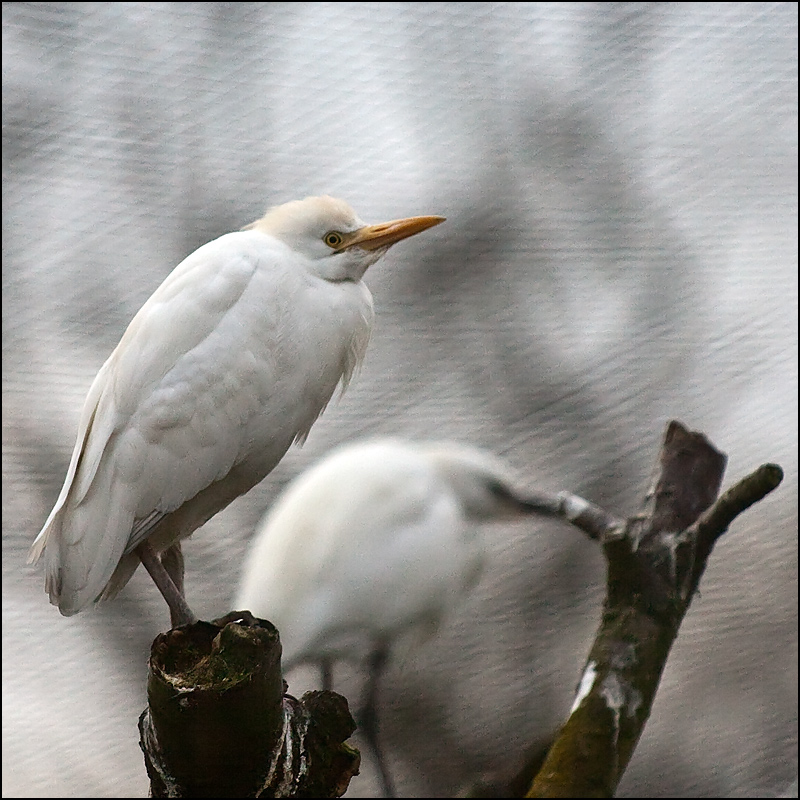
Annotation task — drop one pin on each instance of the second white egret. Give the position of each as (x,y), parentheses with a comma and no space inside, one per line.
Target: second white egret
(377,539)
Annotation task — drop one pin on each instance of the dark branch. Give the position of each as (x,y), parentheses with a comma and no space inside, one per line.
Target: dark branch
(655,561)
(737,499)
(218,723)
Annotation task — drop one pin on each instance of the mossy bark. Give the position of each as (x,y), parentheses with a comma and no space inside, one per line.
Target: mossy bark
(218,723)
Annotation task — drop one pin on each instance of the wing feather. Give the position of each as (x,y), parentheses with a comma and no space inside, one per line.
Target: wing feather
(210,384)
(88,529)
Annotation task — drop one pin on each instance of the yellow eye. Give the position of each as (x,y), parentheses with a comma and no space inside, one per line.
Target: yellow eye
(333,239)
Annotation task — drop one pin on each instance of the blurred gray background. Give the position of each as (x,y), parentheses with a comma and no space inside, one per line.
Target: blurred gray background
(620,183)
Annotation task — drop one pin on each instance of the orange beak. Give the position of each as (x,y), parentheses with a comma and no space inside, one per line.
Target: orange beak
(371,237)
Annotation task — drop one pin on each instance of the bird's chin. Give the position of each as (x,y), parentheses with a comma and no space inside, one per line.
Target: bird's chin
(373,253)
(367,258)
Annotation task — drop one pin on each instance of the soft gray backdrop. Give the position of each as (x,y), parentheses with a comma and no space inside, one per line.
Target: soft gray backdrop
(620,183)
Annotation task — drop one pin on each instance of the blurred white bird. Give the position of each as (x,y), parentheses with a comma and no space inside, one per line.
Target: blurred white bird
(377,539)
(232,359)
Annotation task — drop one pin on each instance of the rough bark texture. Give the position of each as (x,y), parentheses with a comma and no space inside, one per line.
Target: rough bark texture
(218,723)
(655,562)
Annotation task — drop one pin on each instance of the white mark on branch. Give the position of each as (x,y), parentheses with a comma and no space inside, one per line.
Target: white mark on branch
(671,542)
(587,681)
(635,531)
(612,692)
(572,505)
(284,755)
(634,701)
(620,696)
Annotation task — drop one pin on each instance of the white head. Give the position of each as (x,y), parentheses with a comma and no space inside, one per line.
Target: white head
(338,245)
(482,482)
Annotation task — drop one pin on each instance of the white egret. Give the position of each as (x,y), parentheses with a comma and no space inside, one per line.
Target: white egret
(231,360)
(377,539)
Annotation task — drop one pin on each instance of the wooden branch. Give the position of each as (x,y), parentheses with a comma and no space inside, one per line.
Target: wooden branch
(655,561)
(218,723)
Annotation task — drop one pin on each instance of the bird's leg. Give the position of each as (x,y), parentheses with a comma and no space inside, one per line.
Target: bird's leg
(172,559)
(179,611)
(368,716)
(326,669)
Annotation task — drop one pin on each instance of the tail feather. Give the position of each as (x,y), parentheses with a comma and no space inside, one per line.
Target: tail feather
(84,535)
(128,564)
(37,548)
(83,543)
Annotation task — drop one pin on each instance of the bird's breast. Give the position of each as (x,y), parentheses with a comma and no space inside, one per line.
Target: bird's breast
(322,337)
(228,371)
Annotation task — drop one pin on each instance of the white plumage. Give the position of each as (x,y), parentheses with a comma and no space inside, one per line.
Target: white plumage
(232,359)
(378,538)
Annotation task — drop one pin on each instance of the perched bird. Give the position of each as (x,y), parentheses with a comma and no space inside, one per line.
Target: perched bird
(231,360)
(377,539)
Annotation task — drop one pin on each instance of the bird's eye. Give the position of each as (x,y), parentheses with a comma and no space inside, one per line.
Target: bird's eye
(333,239)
